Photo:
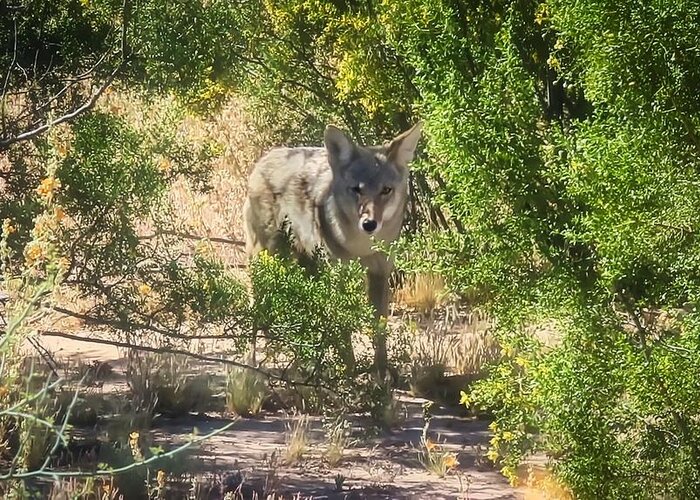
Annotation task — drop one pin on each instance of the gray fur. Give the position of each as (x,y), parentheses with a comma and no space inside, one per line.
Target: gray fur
(315,190)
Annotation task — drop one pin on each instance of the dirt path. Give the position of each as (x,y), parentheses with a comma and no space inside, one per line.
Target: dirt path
(380,466)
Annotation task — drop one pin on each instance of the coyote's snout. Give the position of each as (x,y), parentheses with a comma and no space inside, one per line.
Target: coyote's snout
(342,197)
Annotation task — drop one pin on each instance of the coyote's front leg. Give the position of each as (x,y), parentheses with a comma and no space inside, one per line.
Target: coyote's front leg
(378,271)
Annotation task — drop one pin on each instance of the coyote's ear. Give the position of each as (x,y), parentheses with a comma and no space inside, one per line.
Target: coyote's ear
(402,148)
(339,146)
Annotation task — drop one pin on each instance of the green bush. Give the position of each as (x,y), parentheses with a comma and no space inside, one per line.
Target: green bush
(563,139)
(308,320)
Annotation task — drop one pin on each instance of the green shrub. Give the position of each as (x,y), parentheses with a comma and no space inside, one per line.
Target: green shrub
(563,139)
(308,320)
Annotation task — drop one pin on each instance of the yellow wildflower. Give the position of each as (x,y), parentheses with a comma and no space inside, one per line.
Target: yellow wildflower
(59,214)
(62,148)
(542,14)
(521,361)
(8,228)
(492,455)
(145,289)
(507,351)
(33,252)
(63,264)
(450,461)
(464,398)
(508,436)
(134,438)
(553,62)
(430,446)
(40,226)
(164,164)
(510,474)
(48,187)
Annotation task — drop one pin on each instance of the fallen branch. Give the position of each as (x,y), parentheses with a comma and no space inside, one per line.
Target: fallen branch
(169,350)
(165,232)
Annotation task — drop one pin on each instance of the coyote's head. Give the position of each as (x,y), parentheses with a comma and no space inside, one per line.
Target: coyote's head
(370,184)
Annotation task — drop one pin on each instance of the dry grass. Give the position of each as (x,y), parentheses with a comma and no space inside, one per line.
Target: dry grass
(296,439)
(245,392)
(239,140)
(435,459)
(459,342)
(68,489)
(167,383)
(337,440)
(422,292)
(218,212)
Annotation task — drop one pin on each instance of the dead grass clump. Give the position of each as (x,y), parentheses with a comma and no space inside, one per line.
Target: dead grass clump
(338,439)
(167,384)
(449,344)
(422,292)
(246,391)
(296,440)
(431,351)
(69,489)
(435,459)
(475,345)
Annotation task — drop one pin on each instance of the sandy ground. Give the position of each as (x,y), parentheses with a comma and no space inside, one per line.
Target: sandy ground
(382,466)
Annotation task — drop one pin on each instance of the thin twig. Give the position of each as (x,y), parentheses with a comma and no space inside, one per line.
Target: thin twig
(71,81)
(188,236)
(45,354)
(168,350)
(132,325)
(67,117)
(113,472)
(90,103)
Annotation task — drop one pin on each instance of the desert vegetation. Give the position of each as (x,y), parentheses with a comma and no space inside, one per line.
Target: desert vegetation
(544,331)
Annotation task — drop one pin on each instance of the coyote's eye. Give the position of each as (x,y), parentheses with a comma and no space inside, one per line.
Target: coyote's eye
(356,189)
(386,190)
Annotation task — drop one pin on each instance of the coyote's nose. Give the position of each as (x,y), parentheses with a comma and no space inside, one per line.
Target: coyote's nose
(369,225)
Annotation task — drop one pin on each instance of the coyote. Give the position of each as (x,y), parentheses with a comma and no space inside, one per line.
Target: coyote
(341,197)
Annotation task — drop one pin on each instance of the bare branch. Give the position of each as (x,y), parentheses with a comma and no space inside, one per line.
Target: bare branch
(67,117)
(9,72)
(188,236)
(87,74)
(182,352)
(87,105)
(120,324)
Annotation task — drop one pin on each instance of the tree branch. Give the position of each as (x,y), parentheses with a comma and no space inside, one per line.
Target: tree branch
(182,352)
(4,143)
(188,236)
(87,105)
